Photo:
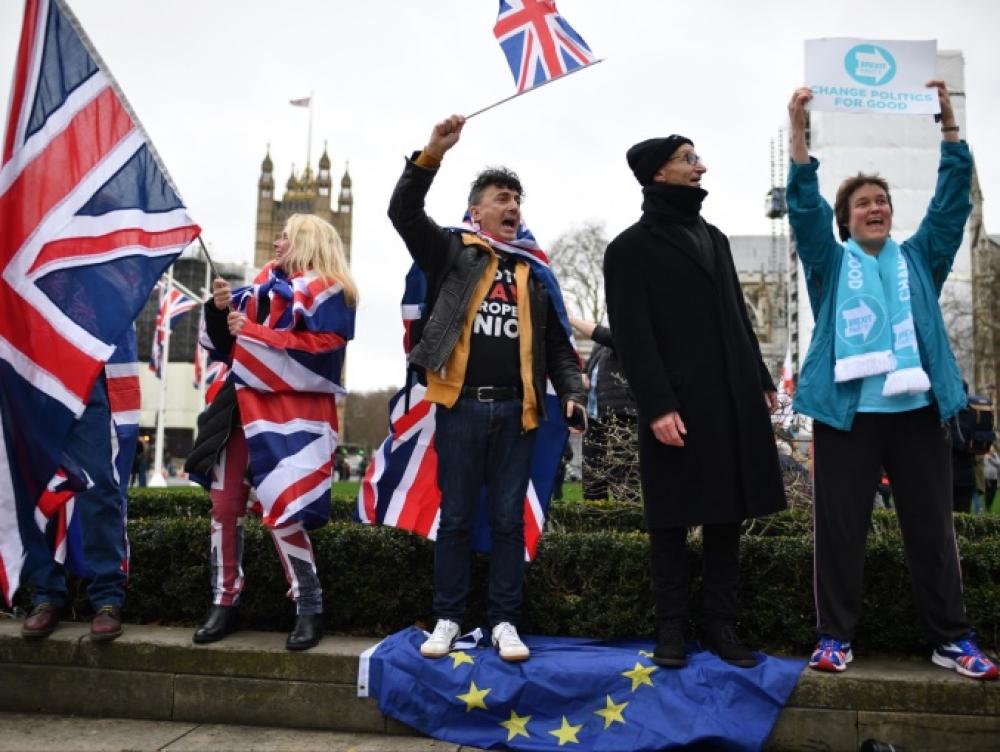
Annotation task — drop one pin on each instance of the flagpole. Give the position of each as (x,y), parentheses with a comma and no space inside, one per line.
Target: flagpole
(309,138)
(158,480)
(198,351)
(204,250)
(534,88)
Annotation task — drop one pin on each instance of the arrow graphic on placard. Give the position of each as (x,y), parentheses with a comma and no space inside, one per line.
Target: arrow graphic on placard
(872,65)
(859,321)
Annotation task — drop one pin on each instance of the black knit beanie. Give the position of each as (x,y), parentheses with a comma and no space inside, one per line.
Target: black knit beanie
(648,156)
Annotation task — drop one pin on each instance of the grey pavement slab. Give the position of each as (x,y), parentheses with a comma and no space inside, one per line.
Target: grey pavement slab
(25,732)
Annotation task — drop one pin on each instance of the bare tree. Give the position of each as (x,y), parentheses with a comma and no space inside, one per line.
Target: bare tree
(366,417)
(578,260)
(956,309)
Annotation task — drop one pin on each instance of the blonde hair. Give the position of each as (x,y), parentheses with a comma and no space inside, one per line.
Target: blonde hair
(316,247)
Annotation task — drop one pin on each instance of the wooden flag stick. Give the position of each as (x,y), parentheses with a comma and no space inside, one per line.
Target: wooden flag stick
(533,88)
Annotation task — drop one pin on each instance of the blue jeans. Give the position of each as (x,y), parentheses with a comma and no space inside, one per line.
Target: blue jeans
(99,507)
(481,443)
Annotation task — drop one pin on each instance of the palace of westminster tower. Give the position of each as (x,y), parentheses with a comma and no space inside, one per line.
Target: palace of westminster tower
(307,193)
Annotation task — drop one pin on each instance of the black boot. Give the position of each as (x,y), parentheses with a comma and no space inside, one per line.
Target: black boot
(720,637)
(221,621)
(306,633)
(670,652)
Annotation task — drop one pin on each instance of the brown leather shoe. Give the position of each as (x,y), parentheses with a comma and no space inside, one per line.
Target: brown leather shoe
(106,624)
(42,620)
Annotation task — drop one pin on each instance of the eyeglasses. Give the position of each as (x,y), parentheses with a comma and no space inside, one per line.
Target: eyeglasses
(690,157)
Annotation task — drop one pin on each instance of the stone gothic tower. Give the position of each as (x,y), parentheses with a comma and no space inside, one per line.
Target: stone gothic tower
(306,193)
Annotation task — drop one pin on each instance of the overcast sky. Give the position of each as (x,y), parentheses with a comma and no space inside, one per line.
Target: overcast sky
(211,80)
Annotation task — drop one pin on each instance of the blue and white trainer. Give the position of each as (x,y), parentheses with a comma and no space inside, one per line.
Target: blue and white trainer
(965,657)
(831,655)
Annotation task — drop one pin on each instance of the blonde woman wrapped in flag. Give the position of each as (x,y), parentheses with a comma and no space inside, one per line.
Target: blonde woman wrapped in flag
(274,423)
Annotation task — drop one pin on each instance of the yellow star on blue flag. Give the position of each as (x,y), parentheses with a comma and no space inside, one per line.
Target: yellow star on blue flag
(566,732)
(639,675)
(516,725)
(474,698)
(458,657)
(611,713)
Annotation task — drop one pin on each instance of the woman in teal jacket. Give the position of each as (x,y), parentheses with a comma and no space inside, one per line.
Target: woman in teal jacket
(880,380)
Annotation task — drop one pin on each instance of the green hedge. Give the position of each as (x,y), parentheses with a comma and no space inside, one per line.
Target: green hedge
(564,516)
(596,584)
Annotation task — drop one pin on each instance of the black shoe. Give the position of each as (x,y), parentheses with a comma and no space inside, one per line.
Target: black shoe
(221,621)
(720,637)
(306,633)
(670,652)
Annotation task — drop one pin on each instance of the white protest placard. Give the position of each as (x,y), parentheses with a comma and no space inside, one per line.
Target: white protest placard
(872,76)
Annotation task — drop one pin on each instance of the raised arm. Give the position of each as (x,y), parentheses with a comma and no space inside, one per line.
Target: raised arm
(939,236)
(425,240)
(809,215)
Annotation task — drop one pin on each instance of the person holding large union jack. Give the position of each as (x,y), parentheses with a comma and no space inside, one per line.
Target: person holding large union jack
(274,423)
(489,336)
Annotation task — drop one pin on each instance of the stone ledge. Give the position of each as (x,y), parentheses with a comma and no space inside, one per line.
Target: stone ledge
(156,672)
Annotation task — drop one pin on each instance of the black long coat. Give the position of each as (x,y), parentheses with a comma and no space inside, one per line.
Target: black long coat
(686,343)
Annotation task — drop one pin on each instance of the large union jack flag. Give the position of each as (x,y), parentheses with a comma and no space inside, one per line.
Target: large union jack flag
(55,511)
(538,42)
(400,487)
(88,222)
(173,305)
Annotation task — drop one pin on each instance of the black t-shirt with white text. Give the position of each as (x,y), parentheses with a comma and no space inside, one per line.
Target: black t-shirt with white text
(495,354)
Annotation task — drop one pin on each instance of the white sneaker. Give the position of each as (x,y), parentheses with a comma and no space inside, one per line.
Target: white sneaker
(506,641)
(438,645)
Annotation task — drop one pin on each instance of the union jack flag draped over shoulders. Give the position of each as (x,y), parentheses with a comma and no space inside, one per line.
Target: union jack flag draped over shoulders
(172,307)
(400,487)
(88,222)
(538,42)
(287,371)
(55,512)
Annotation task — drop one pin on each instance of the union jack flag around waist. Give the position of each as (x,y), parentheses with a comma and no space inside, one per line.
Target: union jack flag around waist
(89,220)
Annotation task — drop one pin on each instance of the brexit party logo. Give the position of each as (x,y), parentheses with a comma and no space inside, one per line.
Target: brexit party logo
(870,64)
(862,320)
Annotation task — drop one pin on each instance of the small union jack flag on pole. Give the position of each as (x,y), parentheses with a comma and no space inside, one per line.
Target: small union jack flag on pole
(538,42)
(540,46)
(89,219)
(173,305)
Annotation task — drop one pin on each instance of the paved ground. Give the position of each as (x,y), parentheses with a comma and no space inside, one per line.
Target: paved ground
(23,732)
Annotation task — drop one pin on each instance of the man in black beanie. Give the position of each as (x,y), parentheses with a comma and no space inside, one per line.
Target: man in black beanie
(707,454)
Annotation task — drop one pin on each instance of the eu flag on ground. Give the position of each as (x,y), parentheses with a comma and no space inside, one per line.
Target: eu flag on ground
(579,694)
(538,42)
(89,219)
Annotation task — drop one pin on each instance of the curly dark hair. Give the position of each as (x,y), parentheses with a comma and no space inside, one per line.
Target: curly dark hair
(842,204)
(502,177)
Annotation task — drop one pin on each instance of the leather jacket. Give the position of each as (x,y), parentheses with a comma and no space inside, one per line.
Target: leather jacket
(453,263)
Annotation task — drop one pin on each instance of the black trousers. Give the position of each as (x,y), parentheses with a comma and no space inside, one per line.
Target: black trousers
(915,450)
(720,571)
